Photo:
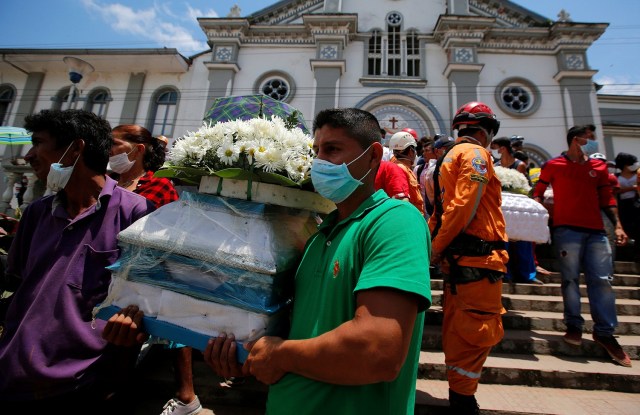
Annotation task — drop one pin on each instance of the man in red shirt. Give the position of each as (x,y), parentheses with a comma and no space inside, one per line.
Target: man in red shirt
(581,188)
(392,180)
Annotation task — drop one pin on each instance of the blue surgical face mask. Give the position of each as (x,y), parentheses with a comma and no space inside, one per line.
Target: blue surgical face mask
(334,181)
(590,147)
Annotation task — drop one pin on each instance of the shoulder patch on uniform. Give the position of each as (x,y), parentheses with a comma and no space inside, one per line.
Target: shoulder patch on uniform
(479,178)
(479,164)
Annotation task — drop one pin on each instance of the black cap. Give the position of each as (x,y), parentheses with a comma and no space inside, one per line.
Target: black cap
(444,141)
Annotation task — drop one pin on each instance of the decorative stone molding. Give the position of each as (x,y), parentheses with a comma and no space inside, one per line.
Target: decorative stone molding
(223,53)
(506,15)
(392,82)
(573,74)
(329,51)
(488,34)
(315,28)
(283,13)
(462,55)
(576,61)
(218,65)
(459,67)
(339,64)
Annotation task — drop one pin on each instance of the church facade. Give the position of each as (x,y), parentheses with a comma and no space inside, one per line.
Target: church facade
(411,63)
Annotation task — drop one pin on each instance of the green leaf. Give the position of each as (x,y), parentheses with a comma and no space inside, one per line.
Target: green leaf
(235,173)
(277,179)
(192,175)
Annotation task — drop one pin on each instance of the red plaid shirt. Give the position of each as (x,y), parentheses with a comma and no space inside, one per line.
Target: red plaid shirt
(159,190)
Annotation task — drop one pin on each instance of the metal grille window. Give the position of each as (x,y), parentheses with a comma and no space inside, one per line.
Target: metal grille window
(164,116)
(375,54)
(394,52)
(413,55)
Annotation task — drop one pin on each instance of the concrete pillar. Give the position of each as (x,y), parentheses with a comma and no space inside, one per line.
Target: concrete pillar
(327,78)
(132,98)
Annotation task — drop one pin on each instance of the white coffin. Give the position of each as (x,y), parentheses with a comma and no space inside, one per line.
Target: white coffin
(526,219)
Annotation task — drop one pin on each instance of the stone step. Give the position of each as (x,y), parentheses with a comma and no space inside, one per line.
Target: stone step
(550,288)
(526,342)
(543,320)
(622,267)
(539,370)
(432,399)
(157,386)
(554,289)
(624,306)
(619,280)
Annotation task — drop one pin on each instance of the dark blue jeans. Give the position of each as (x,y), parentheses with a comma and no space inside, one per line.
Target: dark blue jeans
(592,253)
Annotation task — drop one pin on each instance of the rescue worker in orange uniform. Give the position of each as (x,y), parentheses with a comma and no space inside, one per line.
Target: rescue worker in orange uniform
(404,148)
(468,242)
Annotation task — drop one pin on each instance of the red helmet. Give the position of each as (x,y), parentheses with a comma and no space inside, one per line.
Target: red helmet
(475,113)
(412,132)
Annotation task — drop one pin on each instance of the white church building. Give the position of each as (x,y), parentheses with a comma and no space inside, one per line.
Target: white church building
(411,63)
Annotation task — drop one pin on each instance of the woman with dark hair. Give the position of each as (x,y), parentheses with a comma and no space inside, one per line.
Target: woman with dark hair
(134,157)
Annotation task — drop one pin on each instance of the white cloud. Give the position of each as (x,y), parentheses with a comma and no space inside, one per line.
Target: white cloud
(195,13)
(622,85)
(157,23)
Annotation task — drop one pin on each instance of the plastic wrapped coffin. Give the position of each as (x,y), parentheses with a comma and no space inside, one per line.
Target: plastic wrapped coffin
(252,236)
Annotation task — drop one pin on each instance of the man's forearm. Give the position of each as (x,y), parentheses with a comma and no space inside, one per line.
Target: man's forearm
(612,214)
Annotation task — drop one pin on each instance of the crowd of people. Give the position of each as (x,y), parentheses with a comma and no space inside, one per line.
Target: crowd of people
(360,294)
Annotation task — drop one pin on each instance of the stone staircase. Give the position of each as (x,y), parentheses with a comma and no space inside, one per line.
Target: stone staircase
(532,353)
(532,358)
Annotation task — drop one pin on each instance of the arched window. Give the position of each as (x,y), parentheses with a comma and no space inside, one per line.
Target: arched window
(393,53)
(163,112)
(7,95)
(98,102)
(61,98)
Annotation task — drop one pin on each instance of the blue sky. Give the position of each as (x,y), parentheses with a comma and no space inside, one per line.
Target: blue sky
(149,24)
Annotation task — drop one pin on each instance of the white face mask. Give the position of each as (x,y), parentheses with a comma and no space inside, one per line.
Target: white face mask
(634,167)
(120,163)
(59,176)
(496,154)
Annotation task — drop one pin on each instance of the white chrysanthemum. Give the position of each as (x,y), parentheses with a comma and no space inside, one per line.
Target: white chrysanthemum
(267,144)
(261,129)
(191,147)
(269,159)
(228,153)
(512,180)
(298,168)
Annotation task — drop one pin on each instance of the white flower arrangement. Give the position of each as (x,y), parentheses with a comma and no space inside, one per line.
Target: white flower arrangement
(258,149)
(512,180)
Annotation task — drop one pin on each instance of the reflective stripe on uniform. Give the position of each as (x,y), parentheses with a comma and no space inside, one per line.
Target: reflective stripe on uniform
(463,372)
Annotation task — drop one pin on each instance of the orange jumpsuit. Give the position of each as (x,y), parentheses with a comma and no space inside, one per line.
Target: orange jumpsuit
(471,199)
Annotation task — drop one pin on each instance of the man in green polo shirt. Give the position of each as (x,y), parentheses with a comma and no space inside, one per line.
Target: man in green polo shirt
(361,291)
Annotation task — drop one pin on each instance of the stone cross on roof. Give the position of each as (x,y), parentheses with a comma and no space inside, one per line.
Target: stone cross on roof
(564,16)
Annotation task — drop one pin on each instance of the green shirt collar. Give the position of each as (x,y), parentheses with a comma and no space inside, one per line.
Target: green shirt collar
(371,202)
